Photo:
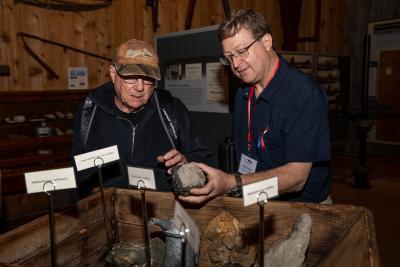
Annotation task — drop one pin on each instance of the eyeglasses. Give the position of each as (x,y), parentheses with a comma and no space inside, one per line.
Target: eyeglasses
(240,54)
(134,79)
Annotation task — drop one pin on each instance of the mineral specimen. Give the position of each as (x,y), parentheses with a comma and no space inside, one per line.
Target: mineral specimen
(225,243)
(291,250)
(186,177)
(124,254)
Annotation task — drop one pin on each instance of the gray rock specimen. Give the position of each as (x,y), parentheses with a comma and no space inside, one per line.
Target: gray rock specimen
(125,253)
(186,177)
(291,250)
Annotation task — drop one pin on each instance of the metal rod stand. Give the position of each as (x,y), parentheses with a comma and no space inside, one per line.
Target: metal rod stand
(182,232)
(145,221)
(103,200)
(261,230)
(51,223)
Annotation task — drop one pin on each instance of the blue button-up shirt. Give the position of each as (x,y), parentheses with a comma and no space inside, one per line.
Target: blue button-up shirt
(289,123)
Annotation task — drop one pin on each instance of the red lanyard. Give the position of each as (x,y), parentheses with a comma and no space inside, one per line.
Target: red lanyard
(249,118)
(249,136)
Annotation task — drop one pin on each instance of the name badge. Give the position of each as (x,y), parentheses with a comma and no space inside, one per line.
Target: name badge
(96,158)
(142,177)
(247,165)
(50,180)
(260,191)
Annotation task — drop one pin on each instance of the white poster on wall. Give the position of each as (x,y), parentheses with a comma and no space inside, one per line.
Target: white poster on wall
(77,78)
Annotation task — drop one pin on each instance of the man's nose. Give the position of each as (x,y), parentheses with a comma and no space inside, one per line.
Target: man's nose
(139,86)
(236,61)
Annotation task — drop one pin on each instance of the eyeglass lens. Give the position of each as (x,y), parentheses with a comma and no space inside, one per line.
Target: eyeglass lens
(242,53)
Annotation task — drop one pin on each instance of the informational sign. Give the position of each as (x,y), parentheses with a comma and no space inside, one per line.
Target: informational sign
(254,191)
(143,177)
(96,158)
(77,78)
(183,222)
(50,180)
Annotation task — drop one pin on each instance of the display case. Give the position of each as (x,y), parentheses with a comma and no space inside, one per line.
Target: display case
(341,235)
(302,61)
(333,74)
(35,134)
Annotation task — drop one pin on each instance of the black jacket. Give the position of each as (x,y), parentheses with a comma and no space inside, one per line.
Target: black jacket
(139,142)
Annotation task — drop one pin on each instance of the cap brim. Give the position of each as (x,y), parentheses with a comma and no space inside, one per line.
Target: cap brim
(138,69)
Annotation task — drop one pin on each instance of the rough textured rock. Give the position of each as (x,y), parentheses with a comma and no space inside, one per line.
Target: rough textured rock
(291,250)
(224,243)
(186,177)
(124,254)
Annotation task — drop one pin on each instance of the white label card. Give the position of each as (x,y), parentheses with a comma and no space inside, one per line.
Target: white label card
(138,176)
(50,180)
(262,190)
(181,221)
(247,165)
(96,158)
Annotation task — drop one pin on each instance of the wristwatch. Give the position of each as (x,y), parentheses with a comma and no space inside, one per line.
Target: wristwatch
(237,189)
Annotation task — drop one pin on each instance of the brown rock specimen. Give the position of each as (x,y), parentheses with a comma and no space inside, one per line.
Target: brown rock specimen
(225,243)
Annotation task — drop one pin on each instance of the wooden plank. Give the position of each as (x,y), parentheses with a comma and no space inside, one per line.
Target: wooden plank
(357,247)
(330,223)
(79,235)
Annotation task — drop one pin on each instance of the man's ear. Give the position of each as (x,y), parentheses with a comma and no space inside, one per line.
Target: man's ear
(112,71)
(267,41)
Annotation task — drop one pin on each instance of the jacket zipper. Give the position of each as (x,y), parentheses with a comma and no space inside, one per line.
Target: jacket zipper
(133,134)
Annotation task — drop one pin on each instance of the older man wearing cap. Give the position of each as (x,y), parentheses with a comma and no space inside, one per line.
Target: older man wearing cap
(150,127)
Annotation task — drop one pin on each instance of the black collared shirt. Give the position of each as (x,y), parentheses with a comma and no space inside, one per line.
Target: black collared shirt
(289,123)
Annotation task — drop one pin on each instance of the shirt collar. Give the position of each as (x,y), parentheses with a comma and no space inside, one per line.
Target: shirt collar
(268,92)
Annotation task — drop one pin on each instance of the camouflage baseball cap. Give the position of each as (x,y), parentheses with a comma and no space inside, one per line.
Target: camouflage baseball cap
(136,57)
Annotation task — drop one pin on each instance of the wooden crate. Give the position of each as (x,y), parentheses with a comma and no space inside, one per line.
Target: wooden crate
(342,235)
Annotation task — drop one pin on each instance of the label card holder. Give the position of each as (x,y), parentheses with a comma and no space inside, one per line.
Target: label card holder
(137,174)
(252,192)
(96,158)
(50,180)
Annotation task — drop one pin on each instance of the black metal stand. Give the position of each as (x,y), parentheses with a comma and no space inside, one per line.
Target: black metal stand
(361,181)
(182,233)
(103,200)
(51,224)
(261,203)
(145,221)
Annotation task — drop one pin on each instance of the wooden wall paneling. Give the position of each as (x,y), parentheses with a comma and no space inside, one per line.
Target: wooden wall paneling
(97,25)
(53,54)
(172,16)
(32,22)
(20,57)
(105,47)
(332,27)
(148,35)
(307,24)
(273,15)
(101,30)
(75,39)
(5,43)
(333,40)
(127,21)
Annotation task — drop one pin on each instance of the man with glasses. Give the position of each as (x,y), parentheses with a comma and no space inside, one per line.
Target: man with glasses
(280,119)
(150,127)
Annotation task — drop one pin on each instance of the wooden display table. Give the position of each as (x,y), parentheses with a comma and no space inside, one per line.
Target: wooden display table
(342,235)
